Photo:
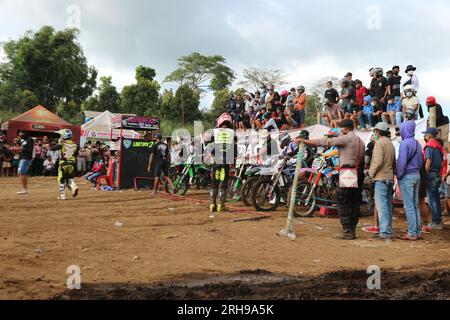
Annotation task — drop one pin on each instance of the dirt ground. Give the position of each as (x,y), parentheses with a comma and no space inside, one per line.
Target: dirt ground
(129,246)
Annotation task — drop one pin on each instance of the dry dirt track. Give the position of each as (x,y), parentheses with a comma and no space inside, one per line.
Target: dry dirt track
(172,249)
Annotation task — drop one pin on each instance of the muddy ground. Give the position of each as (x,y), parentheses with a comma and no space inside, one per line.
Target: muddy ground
(129,246)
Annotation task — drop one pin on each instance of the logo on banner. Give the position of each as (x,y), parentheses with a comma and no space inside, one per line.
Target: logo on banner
(127,144)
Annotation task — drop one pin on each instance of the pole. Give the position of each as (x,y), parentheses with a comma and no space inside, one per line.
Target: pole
(289,230)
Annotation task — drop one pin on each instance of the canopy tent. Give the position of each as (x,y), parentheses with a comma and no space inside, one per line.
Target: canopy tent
(101,128)
(39,122)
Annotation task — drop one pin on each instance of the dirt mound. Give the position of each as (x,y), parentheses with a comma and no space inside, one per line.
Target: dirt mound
(264,285)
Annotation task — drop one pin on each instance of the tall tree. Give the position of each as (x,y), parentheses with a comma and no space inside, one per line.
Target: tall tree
(107,98)
(198,71)
(191,101)
(255,78)
(49,64)
(143,97)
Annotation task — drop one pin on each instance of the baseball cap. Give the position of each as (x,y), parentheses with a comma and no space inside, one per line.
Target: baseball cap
(431,100)
(382,126)
(432,131)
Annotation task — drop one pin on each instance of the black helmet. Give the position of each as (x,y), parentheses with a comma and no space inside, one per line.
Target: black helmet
(304,134)
(285,140)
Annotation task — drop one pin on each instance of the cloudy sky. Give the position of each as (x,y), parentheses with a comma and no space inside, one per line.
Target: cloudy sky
(308,40)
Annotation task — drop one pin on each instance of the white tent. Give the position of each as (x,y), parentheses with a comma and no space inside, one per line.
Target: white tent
(99,129)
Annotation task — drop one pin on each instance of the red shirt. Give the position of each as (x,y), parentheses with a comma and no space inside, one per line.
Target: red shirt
(360,94)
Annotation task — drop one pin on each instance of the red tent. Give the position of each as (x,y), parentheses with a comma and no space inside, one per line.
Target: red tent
(40,122)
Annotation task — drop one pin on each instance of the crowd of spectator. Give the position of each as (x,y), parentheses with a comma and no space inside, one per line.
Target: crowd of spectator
(45,161)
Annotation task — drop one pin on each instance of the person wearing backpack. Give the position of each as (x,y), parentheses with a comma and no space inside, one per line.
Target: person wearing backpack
(409,164)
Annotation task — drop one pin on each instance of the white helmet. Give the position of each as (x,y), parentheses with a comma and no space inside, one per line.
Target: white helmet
(65,134)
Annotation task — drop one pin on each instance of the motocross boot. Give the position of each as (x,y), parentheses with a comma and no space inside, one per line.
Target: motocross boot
(62,191)
(73,187)
(213,200)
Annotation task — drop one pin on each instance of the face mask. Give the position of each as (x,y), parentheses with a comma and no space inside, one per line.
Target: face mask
(409,94)
(410,73)
(373,104)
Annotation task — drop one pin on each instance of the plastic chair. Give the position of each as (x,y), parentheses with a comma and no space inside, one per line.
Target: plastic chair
(109,177)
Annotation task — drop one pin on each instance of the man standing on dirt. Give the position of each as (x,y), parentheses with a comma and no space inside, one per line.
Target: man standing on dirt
(160,155)
(26,157)
(348,200)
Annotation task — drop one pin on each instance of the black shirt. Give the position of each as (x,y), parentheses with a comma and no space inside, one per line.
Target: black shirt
(27,146)
(332,95)
(161,151)
(441,120)
(7,154)
(378,87)
(395,84)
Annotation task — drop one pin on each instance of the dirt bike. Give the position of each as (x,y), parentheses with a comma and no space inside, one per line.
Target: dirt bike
(273,185)
(190,174)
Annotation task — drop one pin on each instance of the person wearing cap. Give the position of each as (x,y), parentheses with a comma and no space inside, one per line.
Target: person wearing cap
(300,106)
(160,157)
(351,150)
(394,84)
(442,122)
(381,171)
(409,165)
(392,108)
(436,168)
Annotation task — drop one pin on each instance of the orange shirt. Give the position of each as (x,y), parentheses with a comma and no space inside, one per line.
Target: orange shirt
(300,102)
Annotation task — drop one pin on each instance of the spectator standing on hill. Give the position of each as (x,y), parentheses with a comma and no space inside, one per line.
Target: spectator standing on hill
(435,162)
(442,121)
(331,94)
(300,106)
(410,161)
(394,84)
(382,168)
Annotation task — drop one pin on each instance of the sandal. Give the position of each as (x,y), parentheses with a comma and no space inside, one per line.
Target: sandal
(406,237)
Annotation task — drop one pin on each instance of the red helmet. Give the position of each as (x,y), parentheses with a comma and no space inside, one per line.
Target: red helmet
(224,118)
(432,101)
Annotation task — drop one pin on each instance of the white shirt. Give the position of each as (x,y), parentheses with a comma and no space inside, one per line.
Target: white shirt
(414,82)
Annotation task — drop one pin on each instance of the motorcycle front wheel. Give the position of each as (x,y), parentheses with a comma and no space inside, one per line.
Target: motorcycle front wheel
(262,200)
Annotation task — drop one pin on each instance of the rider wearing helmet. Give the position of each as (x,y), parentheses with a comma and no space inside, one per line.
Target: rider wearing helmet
(67,162)
(224,153)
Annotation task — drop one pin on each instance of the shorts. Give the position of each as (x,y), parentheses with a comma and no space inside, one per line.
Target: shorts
(15,163)
(24,166)
(161,166)
(6,165)
(301,116)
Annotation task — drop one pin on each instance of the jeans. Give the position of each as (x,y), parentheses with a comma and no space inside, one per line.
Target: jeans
(409,186)
(364,120)
(434,198)
(400,117)
(92,178)
(383,202)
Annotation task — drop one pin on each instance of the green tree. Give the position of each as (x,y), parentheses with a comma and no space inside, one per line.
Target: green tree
(51,65)
(71,112)
(143,97)
(197,71)
(191,100)
(168,106)
(107,98)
